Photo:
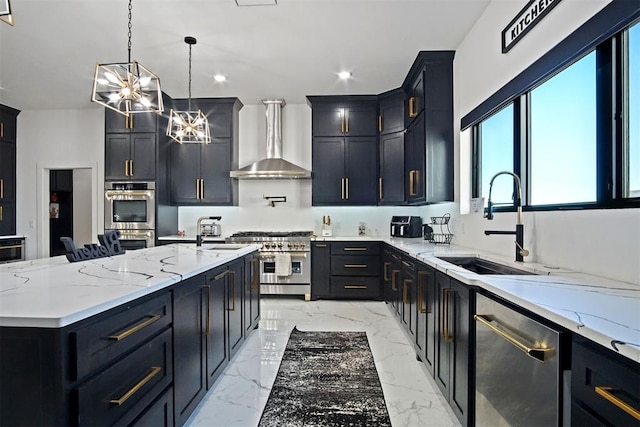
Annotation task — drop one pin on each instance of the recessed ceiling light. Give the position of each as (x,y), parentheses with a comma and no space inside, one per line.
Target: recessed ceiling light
(344,75)
(219,78)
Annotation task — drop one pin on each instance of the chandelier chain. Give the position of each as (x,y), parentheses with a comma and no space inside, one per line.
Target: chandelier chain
(189,77)
(129,33)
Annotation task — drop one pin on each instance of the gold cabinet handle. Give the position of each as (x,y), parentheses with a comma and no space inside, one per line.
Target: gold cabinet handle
(233,290)
(539,353)
(347,122)
(393,280)
(133,390)
(207,327)
(1,188)
(126,168)
(380,188)
(355,266)
(385,271)
(342,121)
(405,293)
(606,393)
(221,275)
(320,245)
(421,293)
(198,189)
(444,316)
(347,188)
(10,246)
(1,130)
(407,264)
(380,123)
(355,286)
(342,188)
(354,249)
(256,276)
(134,329)
(201,188)
(412,107)
(130,167)
(1,213)
(128,122)
(412,182)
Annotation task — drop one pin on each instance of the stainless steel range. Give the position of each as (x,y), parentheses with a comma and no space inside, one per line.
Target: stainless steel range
(297,246)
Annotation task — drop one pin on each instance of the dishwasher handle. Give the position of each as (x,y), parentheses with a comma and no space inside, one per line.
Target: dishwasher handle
(541,354)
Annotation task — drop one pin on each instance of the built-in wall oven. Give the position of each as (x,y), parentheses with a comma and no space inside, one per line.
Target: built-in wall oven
(129,207)
(11,249)
(296,245)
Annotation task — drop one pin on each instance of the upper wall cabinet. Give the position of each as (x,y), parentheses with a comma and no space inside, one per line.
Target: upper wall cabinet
(429,120)
(391,116)
(345,150)
(344,115)
(8,121)
(199,173)
(130,146)
(139,122)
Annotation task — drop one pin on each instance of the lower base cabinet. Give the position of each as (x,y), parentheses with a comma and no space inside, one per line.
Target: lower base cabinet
(605,387)
(346,270)
(453,371)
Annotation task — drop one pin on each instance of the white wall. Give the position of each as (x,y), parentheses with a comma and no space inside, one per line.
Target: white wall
(600,242)
(56,139)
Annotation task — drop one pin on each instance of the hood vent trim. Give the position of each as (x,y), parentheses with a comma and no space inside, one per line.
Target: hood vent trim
(273,166)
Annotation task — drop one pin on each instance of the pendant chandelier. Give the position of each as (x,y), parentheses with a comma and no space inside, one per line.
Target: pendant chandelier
(129,87)
(5,12)
(189,126)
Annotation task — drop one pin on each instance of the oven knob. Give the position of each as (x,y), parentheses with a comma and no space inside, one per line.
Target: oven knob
(289,245)
(280,245)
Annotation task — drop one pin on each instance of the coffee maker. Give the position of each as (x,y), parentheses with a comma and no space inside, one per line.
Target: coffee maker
(406,226)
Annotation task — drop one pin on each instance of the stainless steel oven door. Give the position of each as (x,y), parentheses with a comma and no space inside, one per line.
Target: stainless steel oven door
(11,250)
(136,239)
(300,269)
(129,209)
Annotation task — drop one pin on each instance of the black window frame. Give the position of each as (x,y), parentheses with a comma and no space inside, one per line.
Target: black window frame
(606,33)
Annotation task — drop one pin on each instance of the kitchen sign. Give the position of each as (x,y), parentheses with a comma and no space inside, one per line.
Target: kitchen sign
(525,20)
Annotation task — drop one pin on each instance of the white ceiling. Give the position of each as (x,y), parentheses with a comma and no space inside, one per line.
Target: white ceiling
(285,51)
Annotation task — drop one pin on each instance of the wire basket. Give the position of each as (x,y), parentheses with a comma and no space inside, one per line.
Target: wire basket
(445,236)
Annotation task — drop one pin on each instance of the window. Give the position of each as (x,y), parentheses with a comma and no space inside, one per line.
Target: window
(496,154)
(632,161)
(563,136)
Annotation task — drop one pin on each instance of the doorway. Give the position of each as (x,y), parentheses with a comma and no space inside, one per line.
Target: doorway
(67,206)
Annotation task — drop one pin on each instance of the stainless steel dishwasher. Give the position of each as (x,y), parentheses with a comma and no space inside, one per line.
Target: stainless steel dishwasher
(519,377)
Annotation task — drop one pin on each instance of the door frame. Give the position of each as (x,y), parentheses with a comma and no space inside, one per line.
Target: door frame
(42,201)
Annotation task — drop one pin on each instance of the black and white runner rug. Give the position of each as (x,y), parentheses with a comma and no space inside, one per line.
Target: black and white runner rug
(326,379)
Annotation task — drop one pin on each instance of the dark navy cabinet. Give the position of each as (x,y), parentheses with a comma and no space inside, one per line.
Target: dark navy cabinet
(130,156)
(8,125)
(200,172)
(320,270)
(391,183)
(429,121)
(345,150)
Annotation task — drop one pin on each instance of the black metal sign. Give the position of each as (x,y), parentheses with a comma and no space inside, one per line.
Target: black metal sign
(109,246)
(525,20)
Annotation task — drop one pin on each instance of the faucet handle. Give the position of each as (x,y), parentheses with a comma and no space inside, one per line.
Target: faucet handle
(523,251)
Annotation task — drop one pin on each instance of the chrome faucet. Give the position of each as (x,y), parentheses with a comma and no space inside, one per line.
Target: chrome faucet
(521,252)
(199,228)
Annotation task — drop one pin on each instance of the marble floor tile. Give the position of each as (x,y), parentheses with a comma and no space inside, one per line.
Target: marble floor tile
(240,394)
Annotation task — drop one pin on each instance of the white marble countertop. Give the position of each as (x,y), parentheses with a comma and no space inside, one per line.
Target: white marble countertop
(191,238)
(52,292)
(602,310)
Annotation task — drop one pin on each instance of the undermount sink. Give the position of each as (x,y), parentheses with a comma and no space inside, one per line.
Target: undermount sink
(482,266)
(224,246)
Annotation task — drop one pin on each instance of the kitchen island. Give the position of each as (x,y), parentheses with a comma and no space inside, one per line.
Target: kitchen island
(108,340)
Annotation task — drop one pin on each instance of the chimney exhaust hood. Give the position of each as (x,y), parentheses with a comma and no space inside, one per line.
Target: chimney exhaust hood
(273,166)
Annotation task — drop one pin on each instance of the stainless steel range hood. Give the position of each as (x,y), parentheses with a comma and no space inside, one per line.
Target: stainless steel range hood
(273,166)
